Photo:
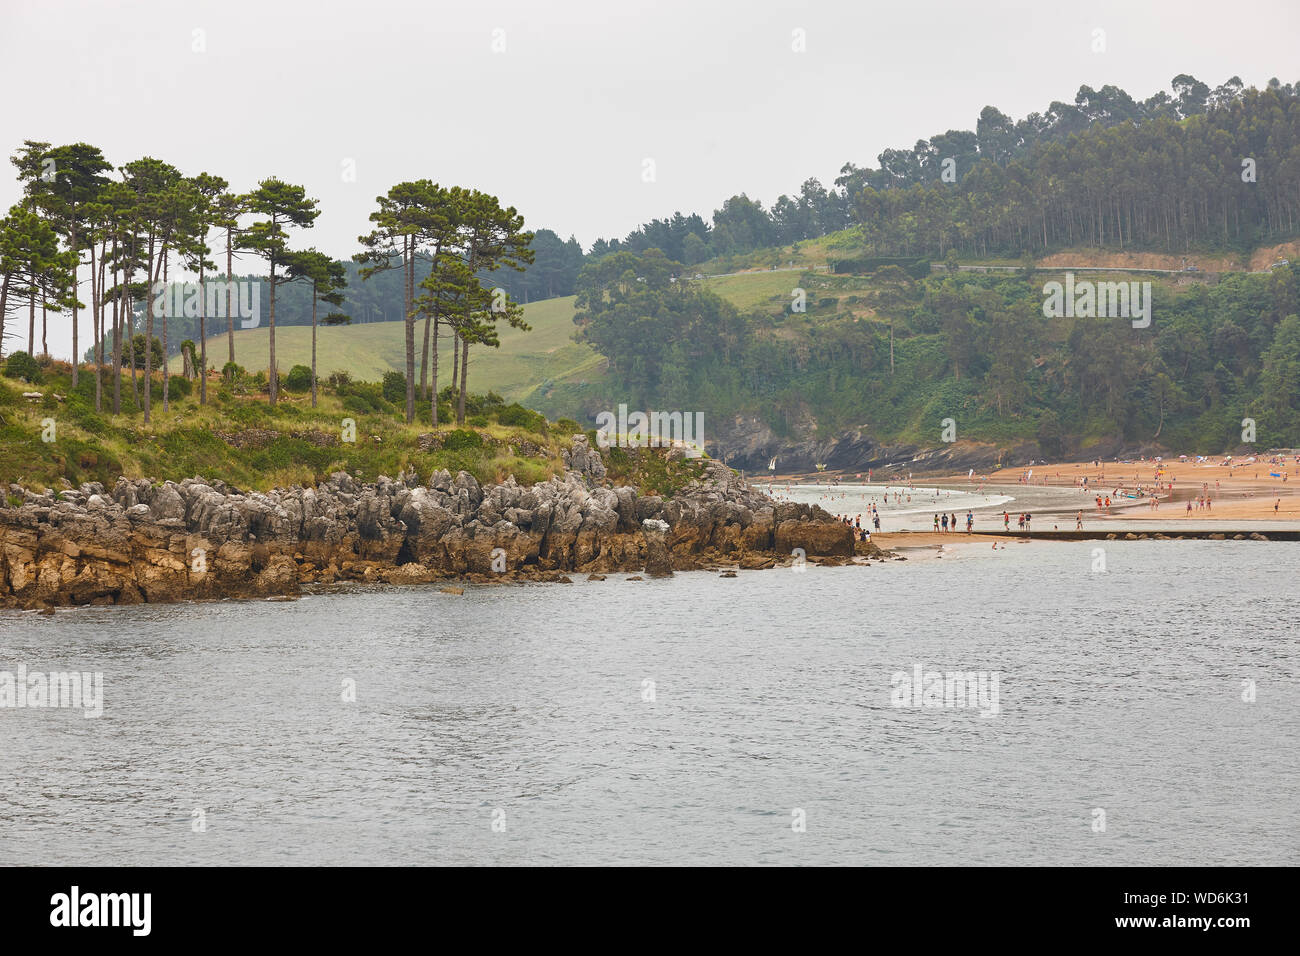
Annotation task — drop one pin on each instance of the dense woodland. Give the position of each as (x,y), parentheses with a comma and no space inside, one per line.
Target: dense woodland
(1163,174)
(971,347)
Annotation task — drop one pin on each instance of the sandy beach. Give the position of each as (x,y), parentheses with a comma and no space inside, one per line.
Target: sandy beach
(1238,490)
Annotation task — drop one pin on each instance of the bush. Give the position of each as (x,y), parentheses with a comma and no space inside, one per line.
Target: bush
(462,438)
(365,398)
(178,386)
(231,371)
(82,414)
(394,388)
(339,379)
(519,417)
(22,366)
(298,379)
(136,352)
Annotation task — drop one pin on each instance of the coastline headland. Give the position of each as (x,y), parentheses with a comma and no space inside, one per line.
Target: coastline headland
(147,542)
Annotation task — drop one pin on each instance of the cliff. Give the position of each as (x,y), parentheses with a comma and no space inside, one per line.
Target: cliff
(145,541)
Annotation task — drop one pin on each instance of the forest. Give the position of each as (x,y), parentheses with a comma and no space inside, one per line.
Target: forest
(972,347)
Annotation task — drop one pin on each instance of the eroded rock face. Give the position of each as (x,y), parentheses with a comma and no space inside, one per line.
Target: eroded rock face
(146,541)
(658,559)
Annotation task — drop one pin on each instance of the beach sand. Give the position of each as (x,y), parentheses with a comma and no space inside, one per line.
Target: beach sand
(1241,493)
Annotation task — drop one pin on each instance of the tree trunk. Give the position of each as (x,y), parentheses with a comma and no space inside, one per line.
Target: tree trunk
(117,338)
(408,319)
(4,305)
(271,333)
(72,232)
(464,377)
(148,338)
(424,358)
(230,320)
(166,309)
(203,334)
(96,341)
(455,359)
(313,345)
(434,344)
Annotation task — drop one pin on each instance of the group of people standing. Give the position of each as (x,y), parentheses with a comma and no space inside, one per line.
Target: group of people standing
(1024,520)
(860,533)
(945,522)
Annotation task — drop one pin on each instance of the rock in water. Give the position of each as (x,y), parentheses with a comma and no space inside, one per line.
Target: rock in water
(658,559)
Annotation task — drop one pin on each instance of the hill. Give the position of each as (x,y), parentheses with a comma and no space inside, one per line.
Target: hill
(525,363)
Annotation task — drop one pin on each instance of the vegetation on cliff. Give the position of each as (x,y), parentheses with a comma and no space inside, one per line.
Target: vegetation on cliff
(239,438)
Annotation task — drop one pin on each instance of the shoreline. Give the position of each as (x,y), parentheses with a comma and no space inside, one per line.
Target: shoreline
(1230,495)
(145,542)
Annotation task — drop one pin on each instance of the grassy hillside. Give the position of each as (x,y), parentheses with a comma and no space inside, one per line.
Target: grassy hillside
(525,360)
(239,438)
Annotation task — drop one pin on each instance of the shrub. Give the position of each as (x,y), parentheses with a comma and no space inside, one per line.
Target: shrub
(339,379)
(231,371)
(22,366)
(82,414)
(462,438)
(394,388)
(365,398)
(298,379)
(519,417)
(179,386)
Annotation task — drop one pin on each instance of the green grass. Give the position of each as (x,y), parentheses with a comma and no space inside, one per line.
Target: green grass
(291,444)
(756,290)
(515,371)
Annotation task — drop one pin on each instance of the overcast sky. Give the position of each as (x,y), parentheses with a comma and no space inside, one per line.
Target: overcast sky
(556,106)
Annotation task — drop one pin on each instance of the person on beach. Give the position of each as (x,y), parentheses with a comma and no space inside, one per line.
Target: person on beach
(944,521)
(970,521)
(1078,521)
(1275,504)
(1021,521)
(1189,507)
(952,523)
(1006,521)
(936,523)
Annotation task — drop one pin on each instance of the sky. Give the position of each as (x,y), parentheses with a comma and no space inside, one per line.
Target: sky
(589,116)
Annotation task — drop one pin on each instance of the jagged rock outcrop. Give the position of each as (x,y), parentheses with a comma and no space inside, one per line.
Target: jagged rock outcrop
(658,559)
(146,541)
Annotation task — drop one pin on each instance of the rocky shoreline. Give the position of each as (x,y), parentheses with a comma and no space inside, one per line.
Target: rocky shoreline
(150,542)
